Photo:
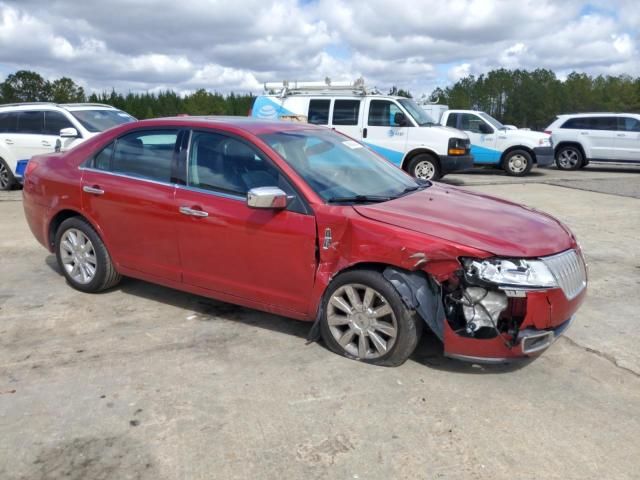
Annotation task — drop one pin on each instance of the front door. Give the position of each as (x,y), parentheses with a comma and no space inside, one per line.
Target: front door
(127,190)
(628,139)
(483,138)
(264,256)
(381,133)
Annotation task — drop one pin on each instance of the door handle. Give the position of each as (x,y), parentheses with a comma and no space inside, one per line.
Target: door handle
(193,212)
(622,135)
(95,190)
(8,141)
(584,133)
(364,132)
(45,143)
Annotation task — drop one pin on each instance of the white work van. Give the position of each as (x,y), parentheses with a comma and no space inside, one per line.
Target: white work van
(514,150)
(395,127)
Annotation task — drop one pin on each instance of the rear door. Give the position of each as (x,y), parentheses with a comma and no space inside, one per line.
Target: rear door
(602,133)
(128,191)
(346,117)
(483,138)
(264,256)
(628,139)
(381,133)
(29,139)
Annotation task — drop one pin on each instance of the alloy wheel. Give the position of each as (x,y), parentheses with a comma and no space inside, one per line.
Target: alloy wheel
(568,158)
(362,321)
(5,179)
(78,256)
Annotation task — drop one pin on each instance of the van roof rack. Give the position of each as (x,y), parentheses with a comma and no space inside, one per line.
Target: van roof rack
(63,105)
(325,87)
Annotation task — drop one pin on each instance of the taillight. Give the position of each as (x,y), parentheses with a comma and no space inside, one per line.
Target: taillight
(31,166)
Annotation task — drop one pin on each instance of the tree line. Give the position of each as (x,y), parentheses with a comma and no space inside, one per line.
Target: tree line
(519,97)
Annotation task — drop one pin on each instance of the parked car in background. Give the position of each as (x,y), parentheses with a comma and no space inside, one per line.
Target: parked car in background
(394,127)
(595,137)
(302,221)
(514,150)
(28,129)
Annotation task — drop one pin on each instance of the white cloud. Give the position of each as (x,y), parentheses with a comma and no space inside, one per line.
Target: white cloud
(221,46)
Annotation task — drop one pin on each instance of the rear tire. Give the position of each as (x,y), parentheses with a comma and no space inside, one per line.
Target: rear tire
(425,167)
(83,257)
(517,163)
(569,158)
(7,180)
(365,319)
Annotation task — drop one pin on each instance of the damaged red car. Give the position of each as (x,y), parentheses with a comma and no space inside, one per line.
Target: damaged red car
(304,222)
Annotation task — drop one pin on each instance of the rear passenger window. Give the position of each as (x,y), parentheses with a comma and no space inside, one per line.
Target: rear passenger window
(628,124)
(8,122)
(603,123)
(54,122)
(319,112)
(452,121)
(30,122)
(147,154)
(345,112)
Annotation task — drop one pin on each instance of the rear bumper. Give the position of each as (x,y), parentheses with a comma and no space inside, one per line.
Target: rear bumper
(544,156)
(455,163)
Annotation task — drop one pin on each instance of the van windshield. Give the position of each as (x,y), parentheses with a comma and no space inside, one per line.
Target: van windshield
(421,117)
(340,169)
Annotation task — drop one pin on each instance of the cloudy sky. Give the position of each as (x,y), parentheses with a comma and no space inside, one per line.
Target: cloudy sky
(237,45)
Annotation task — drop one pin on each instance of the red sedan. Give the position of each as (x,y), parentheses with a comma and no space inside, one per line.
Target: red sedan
(304,222)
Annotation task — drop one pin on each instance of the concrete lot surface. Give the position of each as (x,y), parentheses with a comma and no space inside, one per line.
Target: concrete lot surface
(144,382)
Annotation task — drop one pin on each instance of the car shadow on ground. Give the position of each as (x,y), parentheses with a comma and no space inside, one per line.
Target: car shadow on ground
(429,351)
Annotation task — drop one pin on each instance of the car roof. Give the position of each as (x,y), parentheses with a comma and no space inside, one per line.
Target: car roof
(247,124)
(53,106)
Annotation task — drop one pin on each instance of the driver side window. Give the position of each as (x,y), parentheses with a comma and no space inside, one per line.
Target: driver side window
(382,113)
(473,123)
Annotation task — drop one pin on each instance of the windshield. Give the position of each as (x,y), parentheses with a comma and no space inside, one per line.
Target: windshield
(419,115)
(338,168)
(101,120)
(491,120)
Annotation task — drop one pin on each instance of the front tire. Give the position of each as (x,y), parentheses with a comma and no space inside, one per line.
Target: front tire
(569,158)
(83,257)
(517,163)
(7,180)
(424,167)
(365,319)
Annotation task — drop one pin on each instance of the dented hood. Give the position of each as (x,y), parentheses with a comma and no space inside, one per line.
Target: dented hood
(479,221)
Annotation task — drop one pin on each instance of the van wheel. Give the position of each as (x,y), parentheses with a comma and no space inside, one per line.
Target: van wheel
(7,180)
(569,158)
(424,167)
(517,163)
(83,257)
(365,319)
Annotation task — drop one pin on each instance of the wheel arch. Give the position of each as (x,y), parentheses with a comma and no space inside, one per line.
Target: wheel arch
(568,143)
(415,152)
(512,148)
(60,217)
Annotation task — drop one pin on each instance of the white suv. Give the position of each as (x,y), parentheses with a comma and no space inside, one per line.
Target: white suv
(598,137)
(28,129)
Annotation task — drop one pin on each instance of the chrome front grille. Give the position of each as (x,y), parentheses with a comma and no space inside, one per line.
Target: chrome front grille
(569,270)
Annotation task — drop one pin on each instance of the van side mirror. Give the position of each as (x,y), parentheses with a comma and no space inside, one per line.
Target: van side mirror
(400,119)
(267,197)
(69,133)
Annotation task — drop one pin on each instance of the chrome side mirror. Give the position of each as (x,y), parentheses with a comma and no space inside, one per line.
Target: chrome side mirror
(69,133)
(267,197)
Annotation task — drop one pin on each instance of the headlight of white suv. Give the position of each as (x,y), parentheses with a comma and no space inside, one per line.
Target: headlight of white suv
(510,272)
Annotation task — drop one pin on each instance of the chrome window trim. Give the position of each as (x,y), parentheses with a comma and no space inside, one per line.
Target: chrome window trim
(124,175)
(215,193)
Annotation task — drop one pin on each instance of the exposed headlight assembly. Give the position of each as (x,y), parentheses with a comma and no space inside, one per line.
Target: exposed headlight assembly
(509,273)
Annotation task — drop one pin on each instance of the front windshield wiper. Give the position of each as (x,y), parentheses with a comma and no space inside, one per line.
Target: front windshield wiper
(421,186)
(360,199)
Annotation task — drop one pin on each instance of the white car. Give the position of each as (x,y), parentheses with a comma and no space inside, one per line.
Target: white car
(28,129)
(394,127)
(598,137)
(515,150)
